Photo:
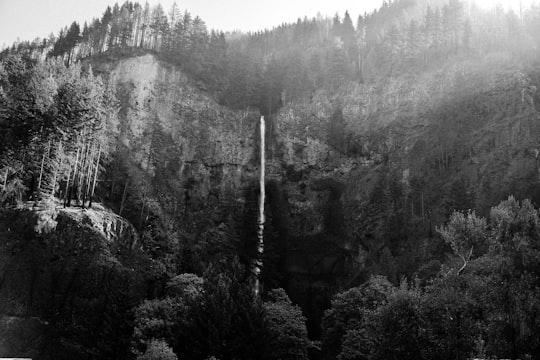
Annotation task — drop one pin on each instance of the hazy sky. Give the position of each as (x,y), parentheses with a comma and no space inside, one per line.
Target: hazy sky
(28,19)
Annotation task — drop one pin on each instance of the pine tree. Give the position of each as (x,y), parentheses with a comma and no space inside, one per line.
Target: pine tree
(104,33)
(347,31)
(336,26)
(115,27)
(159,26)
(72,39)
(126,23)
(145,26)
(174,14)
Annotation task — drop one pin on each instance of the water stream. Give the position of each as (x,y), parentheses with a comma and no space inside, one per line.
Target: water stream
(260,220)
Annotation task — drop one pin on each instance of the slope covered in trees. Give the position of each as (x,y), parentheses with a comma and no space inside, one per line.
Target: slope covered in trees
(379,127)
(54,121)
(266,68)
(482,302)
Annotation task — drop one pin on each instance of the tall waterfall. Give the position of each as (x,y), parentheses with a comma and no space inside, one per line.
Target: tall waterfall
(260,231)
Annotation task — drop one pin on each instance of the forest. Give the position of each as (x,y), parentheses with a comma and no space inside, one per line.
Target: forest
(403,184)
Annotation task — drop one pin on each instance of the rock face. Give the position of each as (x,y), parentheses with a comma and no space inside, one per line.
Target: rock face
(202,159)
(153,93)
(356,180)
(191,152)
(62,266)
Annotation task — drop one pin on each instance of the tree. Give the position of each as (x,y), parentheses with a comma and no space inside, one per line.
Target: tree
(286,326)
(72,39)
(450,314)
(156,319)
(338,69)
(464,233)
(55,117)
(115,27)
(395,47)
(413,41)
(126,22)
(516,243)
(336,26)
(145,26)
(174,14)
(186,286)
(159,25)
(227,320)
(161,318)
(349,311)
(104,33)
(198,43)
(337,131)
(399,328)
(347,31)
(491,298)
(158,350)
(357,345)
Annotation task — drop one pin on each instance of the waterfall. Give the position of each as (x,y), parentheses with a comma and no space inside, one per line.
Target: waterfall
(260,231)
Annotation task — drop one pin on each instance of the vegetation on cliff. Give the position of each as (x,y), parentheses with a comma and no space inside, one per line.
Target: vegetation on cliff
(483,301)
(394,142)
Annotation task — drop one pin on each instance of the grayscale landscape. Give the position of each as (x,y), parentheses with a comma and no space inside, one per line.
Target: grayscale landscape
(340,186)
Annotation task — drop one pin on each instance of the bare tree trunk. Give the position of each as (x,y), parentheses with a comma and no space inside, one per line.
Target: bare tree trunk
(70,190)
(465,261)
(82,174)
(77,173)
(66,195)
(95,177)
(122,203)
(142,36)
(88,175)
(57,165)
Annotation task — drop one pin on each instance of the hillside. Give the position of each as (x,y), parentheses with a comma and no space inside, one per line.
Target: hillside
(377,132)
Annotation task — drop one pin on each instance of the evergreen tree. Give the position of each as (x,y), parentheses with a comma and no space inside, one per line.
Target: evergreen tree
(347,31)
(286,327)
(336,27)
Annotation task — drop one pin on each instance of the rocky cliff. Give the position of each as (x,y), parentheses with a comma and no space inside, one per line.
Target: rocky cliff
(60,265)
(198,160)
(357,178)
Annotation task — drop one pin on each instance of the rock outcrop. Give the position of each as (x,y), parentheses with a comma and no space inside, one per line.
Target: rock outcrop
(58,266)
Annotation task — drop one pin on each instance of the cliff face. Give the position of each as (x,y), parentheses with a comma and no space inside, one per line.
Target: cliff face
(63,266)
(404,152)
(215,150)
(357,179)
(198,163)
(185,150)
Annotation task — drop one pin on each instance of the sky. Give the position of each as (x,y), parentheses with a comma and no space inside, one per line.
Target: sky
(28,19)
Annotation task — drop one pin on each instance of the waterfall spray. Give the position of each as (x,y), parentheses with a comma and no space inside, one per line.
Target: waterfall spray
(260,231)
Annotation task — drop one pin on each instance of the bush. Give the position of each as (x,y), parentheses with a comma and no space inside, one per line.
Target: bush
(158,350)
(350,309)
(287,328)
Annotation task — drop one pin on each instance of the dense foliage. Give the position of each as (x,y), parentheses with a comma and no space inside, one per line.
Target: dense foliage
(431,105)
(267,68)
(54,119)
(222,317)
(480,304)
